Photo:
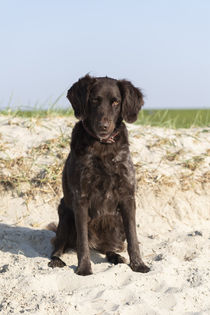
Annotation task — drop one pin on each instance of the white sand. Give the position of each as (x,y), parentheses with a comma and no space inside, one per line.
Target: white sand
(173,211)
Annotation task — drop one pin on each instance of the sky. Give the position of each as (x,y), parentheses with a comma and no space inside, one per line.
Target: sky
(161,46)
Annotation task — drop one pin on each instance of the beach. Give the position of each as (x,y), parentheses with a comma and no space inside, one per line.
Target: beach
(173,212)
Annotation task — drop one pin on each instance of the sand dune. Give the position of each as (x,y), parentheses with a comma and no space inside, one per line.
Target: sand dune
(173,211)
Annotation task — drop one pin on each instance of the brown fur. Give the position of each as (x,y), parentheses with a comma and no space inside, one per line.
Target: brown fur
(98,207)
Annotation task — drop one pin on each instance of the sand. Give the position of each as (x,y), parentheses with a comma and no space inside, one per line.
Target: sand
(173,211)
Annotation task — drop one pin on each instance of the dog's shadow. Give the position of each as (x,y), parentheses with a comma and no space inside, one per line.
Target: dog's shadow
(32,242)
(25,241)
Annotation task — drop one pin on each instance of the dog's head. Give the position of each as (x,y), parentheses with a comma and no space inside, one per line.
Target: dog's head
(103,102)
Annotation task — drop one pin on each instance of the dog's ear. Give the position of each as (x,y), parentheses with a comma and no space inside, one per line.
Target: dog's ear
(78,95)
(132,100)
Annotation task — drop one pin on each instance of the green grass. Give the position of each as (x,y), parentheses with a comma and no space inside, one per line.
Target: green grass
(161,118)
(37,113)
(175,118)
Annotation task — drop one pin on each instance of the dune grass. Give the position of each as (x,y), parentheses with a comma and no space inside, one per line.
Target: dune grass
(160,118)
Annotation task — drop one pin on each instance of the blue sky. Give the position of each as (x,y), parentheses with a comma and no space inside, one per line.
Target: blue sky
(162,46)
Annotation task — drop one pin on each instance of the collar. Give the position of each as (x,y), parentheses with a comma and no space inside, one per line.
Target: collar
(111,139)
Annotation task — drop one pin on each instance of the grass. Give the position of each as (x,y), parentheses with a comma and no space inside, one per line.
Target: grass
(175,118)
(160,118)
(39,171)
(37,113)
(26,175)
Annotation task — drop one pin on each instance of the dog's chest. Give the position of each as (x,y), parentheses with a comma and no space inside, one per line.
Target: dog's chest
(104,182)
(104,195)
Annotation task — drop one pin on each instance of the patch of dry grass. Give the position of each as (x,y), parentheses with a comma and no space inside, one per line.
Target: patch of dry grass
(160,142)
(193,163)
(39,171)
(26,175)
(172,156)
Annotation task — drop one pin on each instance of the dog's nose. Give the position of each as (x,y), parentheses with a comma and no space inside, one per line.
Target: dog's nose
(104,124)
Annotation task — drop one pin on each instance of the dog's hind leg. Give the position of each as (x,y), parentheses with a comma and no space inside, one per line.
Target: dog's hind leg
(55,256)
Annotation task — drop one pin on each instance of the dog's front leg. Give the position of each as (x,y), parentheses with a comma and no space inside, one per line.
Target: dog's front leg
(128,212)
(83,253)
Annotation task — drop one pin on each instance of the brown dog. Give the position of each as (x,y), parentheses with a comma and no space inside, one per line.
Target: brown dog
(98,207)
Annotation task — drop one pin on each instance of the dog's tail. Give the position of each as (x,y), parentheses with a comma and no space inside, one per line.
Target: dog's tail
(52,227)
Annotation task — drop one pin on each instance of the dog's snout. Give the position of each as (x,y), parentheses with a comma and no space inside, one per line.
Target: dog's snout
(104,124)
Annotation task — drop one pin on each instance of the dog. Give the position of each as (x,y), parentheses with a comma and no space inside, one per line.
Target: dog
(98,205)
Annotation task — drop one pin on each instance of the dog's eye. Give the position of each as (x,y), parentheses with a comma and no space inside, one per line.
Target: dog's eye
(115,103)
(95,100)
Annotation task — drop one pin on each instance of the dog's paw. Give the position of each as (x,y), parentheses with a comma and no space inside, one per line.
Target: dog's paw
(84,270)
(56,262)
(140,268)
(114,258)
